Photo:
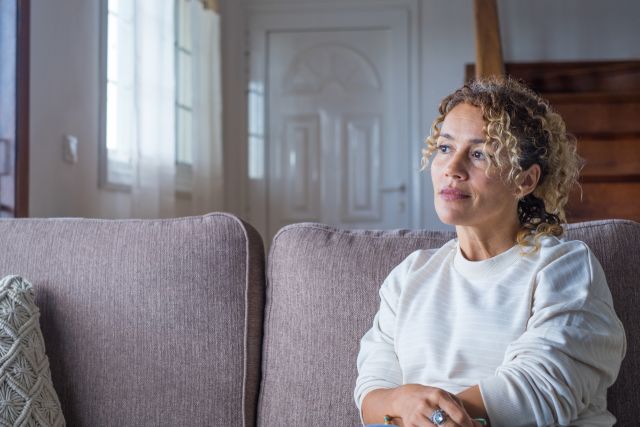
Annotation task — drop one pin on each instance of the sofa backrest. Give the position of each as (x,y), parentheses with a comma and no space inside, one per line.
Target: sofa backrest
(322,294)
(616,244)
(146,322)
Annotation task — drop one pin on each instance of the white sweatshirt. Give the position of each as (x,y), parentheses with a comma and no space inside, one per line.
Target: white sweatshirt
(537,333)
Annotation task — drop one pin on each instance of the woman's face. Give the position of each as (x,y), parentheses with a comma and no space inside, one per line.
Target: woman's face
(464,194)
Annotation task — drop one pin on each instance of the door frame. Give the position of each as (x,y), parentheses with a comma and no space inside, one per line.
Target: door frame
(16,15)
(277,17)
(22,108)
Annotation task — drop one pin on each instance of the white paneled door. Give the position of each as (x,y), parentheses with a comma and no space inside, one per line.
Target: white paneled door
(337,127)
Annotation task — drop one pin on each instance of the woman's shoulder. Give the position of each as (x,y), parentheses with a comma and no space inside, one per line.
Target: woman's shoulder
(415,264)
(564,258)
(421,257)
(552,247)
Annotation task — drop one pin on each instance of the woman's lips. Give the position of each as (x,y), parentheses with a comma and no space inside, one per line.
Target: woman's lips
(452,194)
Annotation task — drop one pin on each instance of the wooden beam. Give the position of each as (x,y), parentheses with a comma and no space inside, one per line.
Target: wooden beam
(213,5)
(488,48)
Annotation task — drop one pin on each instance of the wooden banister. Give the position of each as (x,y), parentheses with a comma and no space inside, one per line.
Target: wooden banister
(488,47)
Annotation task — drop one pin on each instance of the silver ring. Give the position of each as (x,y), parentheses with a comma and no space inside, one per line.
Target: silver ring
(438,417)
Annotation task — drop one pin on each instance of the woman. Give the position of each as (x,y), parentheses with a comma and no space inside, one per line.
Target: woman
(508,322)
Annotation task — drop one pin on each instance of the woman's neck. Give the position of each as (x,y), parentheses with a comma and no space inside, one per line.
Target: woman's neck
(478,244)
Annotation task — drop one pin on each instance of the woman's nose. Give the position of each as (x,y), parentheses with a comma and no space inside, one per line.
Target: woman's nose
(456,167)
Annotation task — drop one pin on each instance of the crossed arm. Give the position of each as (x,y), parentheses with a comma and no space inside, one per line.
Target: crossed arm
(412,404)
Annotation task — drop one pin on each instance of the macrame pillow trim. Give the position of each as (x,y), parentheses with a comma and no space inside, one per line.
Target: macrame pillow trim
(27,397)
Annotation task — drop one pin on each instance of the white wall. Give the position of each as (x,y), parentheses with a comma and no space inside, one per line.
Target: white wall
(447,44)
(64,100)
(64,82)
(234,77)
(552,30)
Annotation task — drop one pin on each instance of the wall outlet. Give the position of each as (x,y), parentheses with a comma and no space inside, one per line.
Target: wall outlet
(70,149)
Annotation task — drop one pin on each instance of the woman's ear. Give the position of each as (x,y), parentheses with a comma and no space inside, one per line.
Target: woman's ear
(530,179)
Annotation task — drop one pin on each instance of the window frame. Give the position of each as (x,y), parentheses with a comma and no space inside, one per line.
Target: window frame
(106,167)
(122,172)
(184,171)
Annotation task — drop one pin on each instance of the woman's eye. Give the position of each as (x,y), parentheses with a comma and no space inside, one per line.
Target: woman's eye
(443,148)
(478,155)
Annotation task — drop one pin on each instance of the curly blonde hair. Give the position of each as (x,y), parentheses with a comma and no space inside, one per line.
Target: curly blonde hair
(521,129)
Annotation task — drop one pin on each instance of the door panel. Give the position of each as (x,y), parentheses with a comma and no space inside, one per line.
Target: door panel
(300,166)
(360,167)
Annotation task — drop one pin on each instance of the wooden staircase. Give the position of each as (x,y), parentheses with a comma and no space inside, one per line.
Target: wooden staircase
(600,103)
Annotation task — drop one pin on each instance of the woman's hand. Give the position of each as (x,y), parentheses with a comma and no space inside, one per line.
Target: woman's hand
(415,403)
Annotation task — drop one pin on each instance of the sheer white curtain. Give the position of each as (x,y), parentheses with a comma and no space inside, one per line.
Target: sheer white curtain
(207,177)
(153,193)
(153,187)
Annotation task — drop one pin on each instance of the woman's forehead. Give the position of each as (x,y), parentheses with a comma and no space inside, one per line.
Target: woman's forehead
(472,140)
(464,122)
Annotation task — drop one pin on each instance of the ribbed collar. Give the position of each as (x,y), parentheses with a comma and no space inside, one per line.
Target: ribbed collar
(480,270)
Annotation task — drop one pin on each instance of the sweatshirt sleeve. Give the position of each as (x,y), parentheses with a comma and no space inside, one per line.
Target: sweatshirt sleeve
(377,362)
(570,352)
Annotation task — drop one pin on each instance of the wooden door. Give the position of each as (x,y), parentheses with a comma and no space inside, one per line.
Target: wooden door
(14,108)
(330,117)
(333,132)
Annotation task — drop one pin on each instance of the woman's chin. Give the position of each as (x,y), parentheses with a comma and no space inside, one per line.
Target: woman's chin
(452,218)
(451,222)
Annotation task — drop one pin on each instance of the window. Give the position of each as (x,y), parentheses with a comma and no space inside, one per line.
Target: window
(118,128)
(125,27)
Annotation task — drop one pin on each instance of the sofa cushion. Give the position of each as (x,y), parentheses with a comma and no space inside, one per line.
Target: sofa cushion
(322,294)
(146,322)
(25,380)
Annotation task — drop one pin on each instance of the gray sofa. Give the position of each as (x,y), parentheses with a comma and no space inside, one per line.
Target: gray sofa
(178,322)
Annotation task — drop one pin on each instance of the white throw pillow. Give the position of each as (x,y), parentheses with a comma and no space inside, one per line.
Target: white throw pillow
(27,397)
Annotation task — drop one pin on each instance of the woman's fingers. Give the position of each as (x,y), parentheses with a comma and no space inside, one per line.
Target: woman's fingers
(423,420)
(418,404)
(421,417)
(455,412)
